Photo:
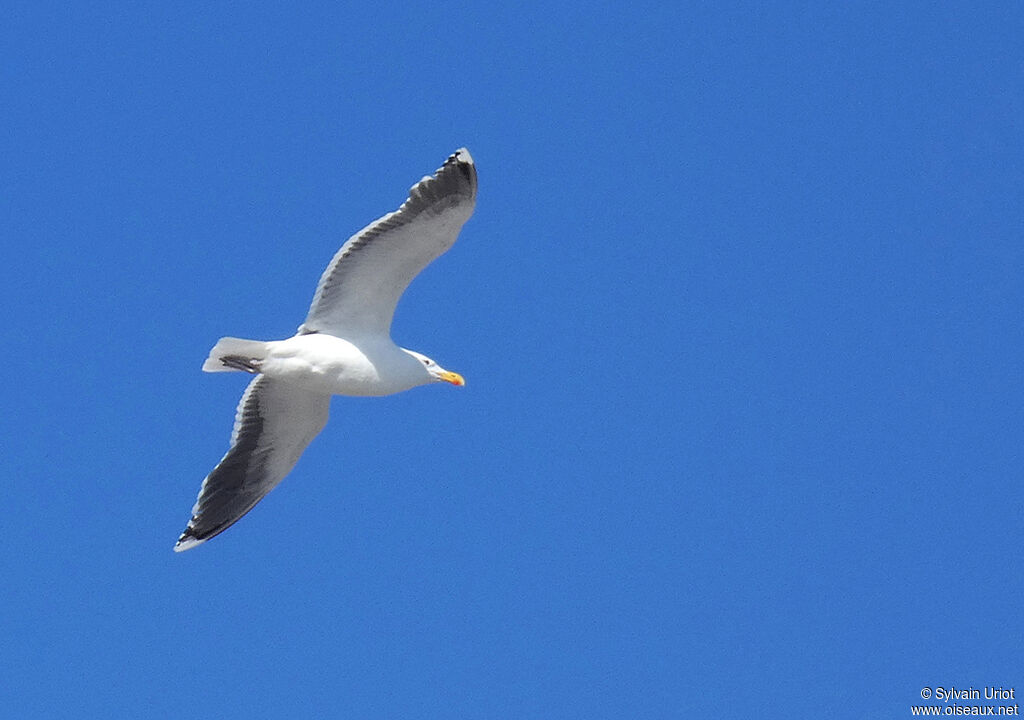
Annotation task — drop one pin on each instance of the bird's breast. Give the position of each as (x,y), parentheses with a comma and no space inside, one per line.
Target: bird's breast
(332,365)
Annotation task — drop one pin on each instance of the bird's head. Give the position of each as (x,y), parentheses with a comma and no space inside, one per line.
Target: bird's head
(436,372)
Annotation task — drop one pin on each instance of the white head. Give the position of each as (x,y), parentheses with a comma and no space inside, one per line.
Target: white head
(436,372)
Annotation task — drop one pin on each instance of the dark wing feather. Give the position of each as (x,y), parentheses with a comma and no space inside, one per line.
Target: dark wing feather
(360,288)
(274,423)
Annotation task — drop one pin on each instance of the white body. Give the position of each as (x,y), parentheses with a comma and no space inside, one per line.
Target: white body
(332,365)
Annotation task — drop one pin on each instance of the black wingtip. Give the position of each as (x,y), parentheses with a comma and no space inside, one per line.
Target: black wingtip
(188,540)
(461,156)
(464,162)
(460,168)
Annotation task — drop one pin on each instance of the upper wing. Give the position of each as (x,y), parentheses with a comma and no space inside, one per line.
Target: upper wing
(273,425)
(358,291)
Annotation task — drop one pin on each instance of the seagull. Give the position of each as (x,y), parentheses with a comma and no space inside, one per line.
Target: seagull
(343,347)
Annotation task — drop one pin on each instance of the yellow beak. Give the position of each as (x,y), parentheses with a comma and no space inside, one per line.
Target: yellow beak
(453,378)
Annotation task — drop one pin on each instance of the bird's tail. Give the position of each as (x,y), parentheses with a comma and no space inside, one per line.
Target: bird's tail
(236,354)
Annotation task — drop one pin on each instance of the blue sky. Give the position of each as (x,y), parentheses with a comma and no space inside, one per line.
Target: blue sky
(739,313)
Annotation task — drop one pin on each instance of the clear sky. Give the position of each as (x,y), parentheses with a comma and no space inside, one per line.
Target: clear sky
(739,313)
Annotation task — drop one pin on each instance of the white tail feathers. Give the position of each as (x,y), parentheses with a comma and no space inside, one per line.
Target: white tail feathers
(231,354)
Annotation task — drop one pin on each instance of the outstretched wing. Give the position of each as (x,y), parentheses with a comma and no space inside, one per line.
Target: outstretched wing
(274,423)
(358,291)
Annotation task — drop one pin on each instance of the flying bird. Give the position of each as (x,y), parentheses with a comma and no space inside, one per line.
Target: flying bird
(343,347)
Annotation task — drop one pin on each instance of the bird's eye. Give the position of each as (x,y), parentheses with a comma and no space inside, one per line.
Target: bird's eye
(426,362)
